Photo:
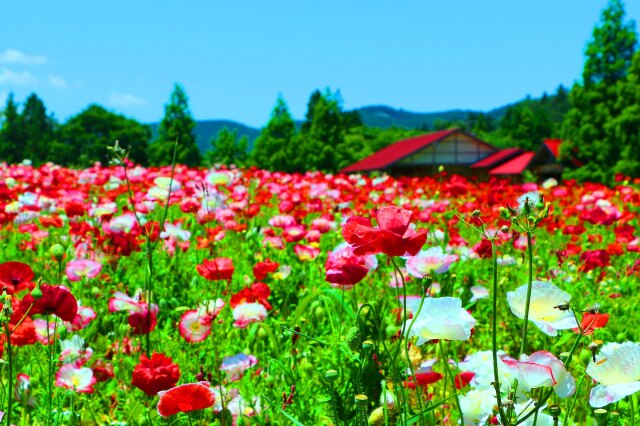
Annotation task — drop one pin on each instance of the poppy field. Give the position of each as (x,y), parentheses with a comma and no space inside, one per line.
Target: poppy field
(178,296)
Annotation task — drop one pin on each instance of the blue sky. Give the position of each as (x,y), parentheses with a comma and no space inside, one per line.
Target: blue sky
(235,57)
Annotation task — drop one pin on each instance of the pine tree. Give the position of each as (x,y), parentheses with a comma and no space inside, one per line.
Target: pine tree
(38,128)
(272,148)
(595,102)
(13,142)
(176,125)
(227,149)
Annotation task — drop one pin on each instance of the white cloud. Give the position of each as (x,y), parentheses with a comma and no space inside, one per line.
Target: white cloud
(123,100)
(13,56)
(57,82)
(23,78)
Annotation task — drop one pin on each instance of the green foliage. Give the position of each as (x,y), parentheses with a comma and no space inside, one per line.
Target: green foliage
(604,106)
(86,137)
(227,149)
(177,125)
(38,129)
(12,139)
(272,148)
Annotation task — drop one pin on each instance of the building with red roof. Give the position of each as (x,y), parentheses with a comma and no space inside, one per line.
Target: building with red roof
(459,153)
(454,149)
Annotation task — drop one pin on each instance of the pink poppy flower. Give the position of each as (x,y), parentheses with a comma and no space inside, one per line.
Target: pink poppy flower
(194,326)
(80,268)
(248,313)
(542,368)
(80,380)
(306,253)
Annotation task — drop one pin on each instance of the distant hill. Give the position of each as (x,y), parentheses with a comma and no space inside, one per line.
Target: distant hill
(384,117)
(207,129)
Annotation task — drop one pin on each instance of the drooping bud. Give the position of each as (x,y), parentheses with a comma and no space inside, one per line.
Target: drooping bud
(36,292)
(353,338)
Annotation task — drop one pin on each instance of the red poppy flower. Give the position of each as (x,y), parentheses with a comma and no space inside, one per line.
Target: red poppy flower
(156,374)
(55,300)
(15,276)
(463,379)
(102,370)
(258,293)
(261,269)
(143,322)
(393,237)
(185,398)
(425,378)
(220,268)
(592,321)
(594,259)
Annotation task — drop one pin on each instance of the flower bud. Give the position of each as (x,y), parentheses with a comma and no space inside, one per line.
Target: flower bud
(504,213)
(353,338)
(331,375)
(476,213)
(362,400)
(36,292)
(601,416)
(377,417)
(57,251)
(504,229)
(593,347)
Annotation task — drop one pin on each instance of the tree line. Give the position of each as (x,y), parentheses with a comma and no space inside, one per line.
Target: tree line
(599,117)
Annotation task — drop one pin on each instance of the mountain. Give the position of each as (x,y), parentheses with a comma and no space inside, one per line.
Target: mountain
(384,117)
(207,129)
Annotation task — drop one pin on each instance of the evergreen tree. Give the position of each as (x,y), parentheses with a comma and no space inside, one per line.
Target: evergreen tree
(595,103)
(177,124)
(624,129)
(13,142)
(86,137)
(38,128)
(272,148)
(226,149)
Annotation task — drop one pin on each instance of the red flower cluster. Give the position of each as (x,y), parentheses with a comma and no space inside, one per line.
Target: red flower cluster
(393,237)
(220,268)
(156,374)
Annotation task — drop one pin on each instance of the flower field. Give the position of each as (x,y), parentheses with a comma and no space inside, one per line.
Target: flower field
(194,296)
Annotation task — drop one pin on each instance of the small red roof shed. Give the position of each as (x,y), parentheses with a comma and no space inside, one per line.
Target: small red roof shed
(514,166)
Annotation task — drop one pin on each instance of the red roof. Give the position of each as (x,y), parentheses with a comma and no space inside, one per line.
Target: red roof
(514,166)
(553,145)
(397,151)
(497,157)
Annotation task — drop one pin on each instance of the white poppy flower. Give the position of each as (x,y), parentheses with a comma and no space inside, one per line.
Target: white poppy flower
(440,318)
(542,309)
(617,371)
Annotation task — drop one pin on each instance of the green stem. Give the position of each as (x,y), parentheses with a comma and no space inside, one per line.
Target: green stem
(546,396)
(529,287)
(445,358)
(10,378)
(404,338)
(494,334)
(633,410)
